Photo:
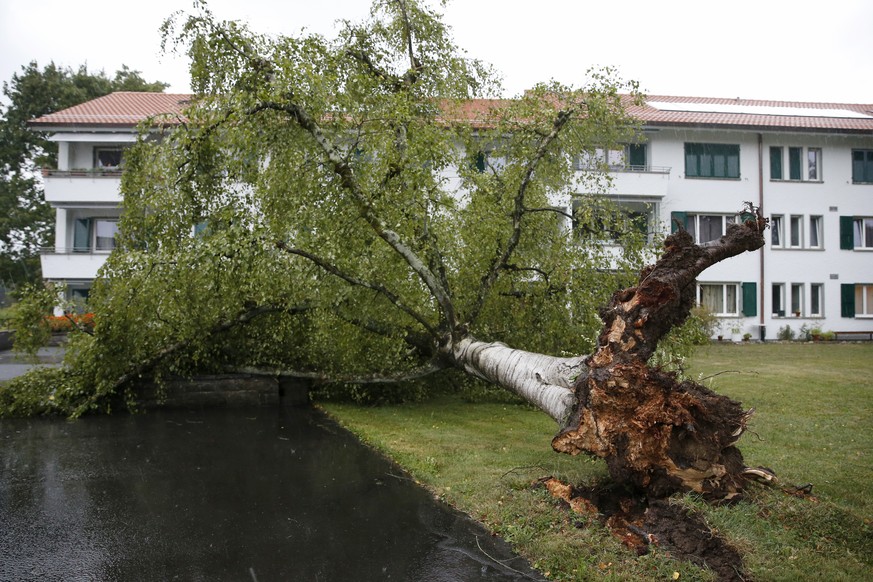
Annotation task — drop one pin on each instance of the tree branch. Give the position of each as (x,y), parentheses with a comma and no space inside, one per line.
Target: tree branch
(381,289)
(502,258)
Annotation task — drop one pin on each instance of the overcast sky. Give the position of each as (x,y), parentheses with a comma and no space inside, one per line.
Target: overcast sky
(763,49)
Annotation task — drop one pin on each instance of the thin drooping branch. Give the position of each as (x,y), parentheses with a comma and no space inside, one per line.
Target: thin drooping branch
(381,289)
(321,378)
(145,366)
(503,256)
(346,175)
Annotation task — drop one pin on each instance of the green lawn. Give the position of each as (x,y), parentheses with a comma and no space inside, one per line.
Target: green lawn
(814,424)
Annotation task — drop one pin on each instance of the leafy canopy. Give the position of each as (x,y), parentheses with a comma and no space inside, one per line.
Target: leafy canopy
(340,207)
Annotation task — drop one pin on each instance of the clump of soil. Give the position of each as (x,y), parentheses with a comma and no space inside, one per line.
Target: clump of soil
(641,522)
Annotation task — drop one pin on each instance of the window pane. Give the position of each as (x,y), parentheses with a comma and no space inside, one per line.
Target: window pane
(815,231)
(637,155)
(778,309)
(868,299)
(719,166)
(105,234)
(775,163)
(710,228)
(776,231)
(795,230)
(730,298)
(711,298)
(868,232)
(815,299)
(794,163)
(813,159)
(796,299)
(733,164)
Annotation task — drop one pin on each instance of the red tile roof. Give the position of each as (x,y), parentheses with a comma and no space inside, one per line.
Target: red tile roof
(755,114)
(120,109)
(126,109)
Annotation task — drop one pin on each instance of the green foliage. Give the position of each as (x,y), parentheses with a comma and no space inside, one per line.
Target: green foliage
(30,321)
(348,230)
(25,218)
(786,333)
(675,349)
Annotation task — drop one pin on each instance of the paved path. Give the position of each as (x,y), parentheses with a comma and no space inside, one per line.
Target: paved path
(12,364)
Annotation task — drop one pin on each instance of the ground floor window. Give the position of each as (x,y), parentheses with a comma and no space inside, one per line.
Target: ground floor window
(864,300)
(816,300)
(718,298)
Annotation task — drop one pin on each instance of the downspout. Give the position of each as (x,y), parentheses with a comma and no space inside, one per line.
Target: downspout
(762,294)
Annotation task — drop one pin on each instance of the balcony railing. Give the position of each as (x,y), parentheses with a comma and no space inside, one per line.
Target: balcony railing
(625,168)
(82,173)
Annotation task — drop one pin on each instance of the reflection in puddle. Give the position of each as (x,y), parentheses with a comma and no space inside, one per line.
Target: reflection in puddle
(257,494)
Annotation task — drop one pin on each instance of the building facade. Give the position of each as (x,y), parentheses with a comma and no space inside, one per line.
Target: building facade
(809,166)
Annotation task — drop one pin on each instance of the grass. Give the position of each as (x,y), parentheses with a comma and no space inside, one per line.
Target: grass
(814,424)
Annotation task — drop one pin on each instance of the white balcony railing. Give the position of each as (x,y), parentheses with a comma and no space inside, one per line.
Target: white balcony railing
(72,187)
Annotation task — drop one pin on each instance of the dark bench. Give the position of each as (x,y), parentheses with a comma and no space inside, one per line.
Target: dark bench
(861,335)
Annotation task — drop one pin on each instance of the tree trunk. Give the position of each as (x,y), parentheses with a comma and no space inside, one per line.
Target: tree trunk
(653,431)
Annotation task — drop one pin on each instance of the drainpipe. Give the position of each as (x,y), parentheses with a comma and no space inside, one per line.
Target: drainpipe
(763,331)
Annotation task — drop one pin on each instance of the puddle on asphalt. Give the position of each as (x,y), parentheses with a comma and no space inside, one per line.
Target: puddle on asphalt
(259,494)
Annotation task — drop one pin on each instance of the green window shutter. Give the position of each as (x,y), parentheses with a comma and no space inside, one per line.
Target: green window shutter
(847,300)
(750,299)
(678,220)
(847,236)
(794,155)
(82,235)
(775,163)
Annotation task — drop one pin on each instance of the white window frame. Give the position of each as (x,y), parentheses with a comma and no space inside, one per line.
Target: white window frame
(816,308)
(797,299)
(777,288)
(863,300)
(777,231)
(795,231)
(692,224)
(95,227)
(729,308)
(810,163)
(860,228)
(816,225)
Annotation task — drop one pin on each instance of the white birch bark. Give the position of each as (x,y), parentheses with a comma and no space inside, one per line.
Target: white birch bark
(542,380)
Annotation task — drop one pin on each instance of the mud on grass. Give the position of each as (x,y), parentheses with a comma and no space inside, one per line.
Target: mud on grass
(641,524)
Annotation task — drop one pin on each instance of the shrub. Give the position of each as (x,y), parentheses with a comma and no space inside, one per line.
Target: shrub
(786,333)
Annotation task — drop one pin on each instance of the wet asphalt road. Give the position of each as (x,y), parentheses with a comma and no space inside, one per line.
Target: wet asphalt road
(257,495)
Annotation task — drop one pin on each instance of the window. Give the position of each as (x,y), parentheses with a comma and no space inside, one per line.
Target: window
(797,299)
(707,227)
(94,234)
(709,160)
(816,300)
(813,164)
(815,238)
(796,234)
(804,164)
(612,220)
(775,163)
(778,299)
(776,235)
(718,298)
(863,300)
(862,166)
(631,157)
(862,233)
(108,158)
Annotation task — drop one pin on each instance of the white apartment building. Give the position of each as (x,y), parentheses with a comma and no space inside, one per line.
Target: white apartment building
(808,165)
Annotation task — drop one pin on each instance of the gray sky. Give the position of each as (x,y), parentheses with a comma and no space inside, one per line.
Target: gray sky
(763,49)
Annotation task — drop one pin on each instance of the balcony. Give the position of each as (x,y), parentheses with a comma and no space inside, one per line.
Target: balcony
(69,188)
(64,264)
(640,181)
